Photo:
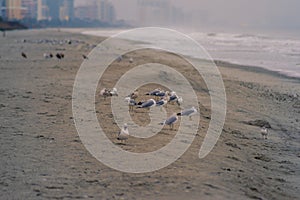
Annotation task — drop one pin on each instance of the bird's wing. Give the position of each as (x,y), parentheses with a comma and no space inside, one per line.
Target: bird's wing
(147,104)
(171,120)
(187,112)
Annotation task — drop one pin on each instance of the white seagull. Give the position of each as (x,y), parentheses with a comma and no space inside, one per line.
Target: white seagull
(170,121)
(105,93)
(264,132)
(124,133)
(188,112)
(161,102)
(131,102)
(148,104)
(114,92)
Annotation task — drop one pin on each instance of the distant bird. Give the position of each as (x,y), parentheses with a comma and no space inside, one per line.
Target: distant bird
(264,132)
(131,60)
(24,55)
(161,102)
(105,93)
(113,92)
(179,100)
(108,93)
(131,103)
(170,121)
(188,112)
(120,58)
(148,104)
(123,134)
(154,92)
(48,55)
(161,93)
(84,57)
(134,95)
(58,55)
(173,98)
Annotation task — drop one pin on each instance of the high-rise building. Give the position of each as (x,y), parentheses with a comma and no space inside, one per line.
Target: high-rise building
(88,11)
(53,9)
(101,10)
(42,10)
(30,9)
(105,11)
(66,12)
(14,9)
(3,9)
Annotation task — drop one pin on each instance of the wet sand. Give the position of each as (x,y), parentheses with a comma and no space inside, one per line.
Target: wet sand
(42,156)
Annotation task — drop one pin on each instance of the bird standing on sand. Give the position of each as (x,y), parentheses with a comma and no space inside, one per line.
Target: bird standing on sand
(48,55)
(24,55)
(84,57)
(123,134)
(131,103)
(113,92)
(170,121)
(105,93)
(264,132)
(154,92)
(148,104)
(134,95)
(188,112)
(60,56)
(161,102)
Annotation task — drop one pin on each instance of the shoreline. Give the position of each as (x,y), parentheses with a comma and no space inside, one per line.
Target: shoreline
(43,157)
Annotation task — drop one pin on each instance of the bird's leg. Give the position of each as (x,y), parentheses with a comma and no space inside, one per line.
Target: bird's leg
(190,118)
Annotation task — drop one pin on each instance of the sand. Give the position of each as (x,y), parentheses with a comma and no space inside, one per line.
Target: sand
(42,156)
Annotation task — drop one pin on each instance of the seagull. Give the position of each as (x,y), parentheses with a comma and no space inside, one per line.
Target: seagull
(120,58)
(148,104)
(84,57)
(179,100)
(170,121)
(131,102)
(123,134)
(48,55)
(154,92)
(113,92)
(188,112)
(105,93)
(59,56)
(264,132)
(173,98)
(24,55)
(134,95)
(161,102)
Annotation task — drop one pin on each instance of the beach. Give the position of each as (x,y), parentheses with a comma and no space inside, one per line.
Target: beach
(42,156)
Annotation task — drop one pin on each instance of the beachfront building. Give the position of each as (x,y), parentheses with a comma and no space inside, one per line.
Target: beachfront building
(66,11)
(53,9)
(30,9)
(105,11)
(100,10)
(14,9)
(86,12)
(42,10)
(3,9)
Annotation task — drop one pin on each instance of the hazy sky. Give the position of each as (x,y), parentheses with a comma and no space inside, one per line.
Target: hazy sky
(256,14)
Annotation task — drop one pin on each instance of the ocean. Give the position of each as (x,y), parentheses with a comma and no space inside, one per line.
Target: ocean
(275,53)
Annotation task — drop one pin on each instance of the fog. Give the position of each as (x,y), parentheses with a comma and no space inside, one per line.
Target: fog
(218,14)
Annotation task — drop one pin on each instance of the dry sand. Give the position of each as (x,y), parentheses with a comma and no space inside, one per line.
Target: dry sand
(42,156)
